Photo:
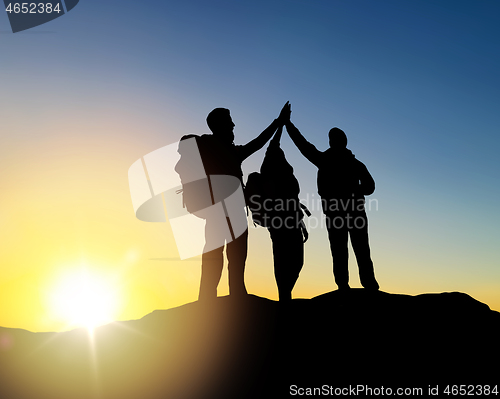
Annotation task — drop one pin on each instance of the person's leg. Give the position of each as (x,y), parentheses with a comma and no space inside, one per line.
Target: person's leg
(338,234)
(296,243)
(212,260)
(237,255)
(211,271)
(288,254)
(361,247)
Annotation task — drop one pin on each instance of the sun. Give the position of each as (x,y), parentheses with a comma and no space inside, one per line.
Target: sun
(84,299)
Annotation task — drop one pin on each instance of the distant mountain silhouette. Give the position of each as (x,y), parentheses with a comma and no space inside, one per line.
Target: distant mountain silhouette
(259,348)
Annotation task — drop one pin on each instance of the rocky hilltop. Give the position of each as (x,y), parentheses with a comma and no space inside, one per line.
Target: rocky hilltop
(256,347)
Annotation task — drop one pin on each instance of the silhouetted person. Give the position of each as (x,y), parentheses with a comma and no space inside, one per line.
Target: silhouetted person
(221,156)
(281,192)
(343,182)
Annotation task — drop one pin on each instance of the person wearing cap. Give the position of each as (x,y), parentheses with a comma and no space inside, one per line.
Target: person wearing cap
(343,181)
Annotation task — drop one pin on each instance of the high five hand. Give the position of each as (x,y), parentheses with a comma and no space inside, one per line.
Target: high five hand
(285,113)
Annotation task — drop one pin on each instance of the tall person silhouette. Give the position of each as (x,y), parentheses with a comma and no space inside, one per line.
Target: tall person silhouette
(220,156)
(343,181)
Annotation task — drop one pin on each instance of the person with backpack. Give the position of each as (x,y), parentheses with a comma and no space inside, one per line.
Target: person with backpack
(273,198)
(343,181)
(220,156)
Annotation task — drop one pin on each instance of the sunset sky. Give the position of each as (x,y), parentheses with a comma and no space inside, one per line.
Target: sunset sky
(414,84)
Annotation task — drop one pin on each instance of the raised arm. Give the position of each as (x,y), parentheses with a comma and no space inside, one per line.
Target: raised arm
(307,149)
(275,141)
(259,142)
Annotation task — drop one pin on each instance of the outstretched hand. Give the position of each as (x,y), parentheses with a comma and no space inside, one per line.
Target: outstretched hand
(285,113)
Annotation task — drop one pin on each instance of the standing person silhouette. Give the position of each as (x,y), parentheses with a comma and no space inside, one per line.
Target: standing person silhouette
(221,156)
(286,227)
(343,181)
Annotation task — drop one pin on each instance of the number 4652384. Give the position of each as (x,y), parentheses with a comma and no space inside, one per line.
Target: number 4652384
(32,8)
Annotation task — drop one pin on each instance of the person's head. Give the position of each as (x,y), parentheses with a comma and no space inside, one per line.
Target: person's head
(337,138)
(220,123)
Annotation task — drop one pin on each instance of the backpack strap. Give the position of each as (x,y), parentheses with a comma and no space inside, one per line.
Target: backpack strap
(305,233)
(304,208)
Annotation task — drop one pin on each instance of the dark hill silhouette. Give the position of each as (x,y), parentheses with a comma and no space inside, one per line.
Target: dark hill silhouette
(259,348)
